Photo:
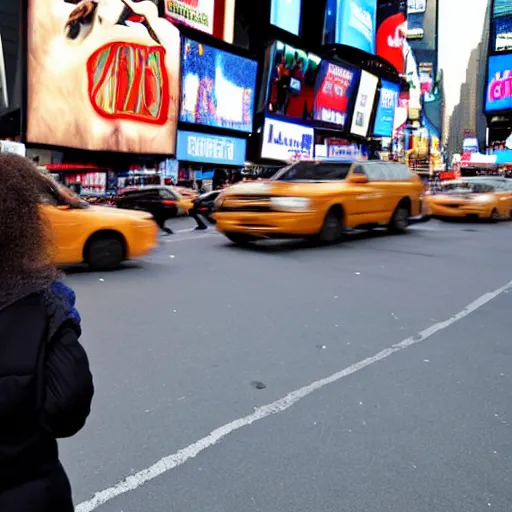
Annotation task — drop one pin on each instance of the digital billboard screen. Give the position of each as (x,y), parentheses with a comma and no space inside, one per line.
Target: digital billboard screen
(291,85)
(197,14)
(499,84)
(285,14)
(335,87)
(286,141)
(392,32)
(217,87)
(386,108)
(352,23)
(98,81)
(364,104)
(502,25)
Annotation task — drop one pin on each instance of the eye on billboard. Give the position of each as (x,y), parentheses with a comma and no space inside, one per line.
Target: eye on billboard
(291,87)
(335,87)
(285,14)
(499,85)
(285,141)
(502,25)
(102,76)
(210,149)
(198,14)
(364,104)
(217,87)
(386,108)
(352,23)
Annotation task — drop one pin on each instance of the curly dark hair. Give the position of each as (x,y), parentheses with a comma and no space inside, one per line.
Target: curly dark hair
(25,259)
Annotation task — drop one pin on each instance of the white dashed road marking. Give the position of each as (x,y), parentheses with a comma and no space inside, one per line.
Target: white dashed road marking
(170,462)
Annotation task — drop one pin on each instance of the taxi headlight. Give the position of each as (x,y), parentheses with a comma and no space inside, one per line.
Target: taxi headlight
(290,204)
(484,198)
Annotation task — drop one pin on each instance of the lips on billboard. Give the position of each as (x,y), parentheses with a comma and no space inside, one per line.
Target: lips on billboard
(103,76)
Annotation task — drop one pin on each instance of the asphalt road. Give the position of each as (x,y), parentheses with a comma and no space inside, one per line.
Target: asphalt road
(210,364)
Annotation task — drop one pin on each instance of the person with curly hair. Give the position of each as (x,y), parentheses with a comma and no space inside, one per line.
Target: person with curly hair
(46,387)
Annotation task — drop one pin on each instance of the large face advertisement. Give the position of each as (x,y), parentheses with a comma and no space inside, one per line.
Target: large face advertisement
(392,32)
(335,87)
(285,14)
(217,87)
(364,104)
(502,25)
(499,87)
(287,141)
(352,23)
(197,14)
(386,108)
(102,75)
(292,80)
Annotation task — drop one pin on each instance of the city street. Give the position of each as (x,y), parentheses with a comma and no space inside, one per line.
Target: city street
(373,376)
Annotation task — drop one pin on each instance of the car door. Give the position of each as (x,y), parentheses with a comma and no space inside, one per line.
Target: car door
(504,196)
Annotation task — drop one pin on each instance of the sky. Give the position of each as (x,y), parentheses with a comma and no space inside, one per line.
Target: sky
(461,25)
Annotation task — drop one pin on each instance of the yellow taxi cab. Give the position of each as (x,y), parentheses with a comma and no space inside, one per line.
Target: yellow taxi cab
(480,197)
(102,237)
(320,199)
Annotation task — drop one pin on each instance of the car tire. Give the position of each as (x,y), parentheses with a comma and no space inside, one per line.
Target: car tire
(400,220)
(332,229)
(240,239)
(495,216)
(105,252)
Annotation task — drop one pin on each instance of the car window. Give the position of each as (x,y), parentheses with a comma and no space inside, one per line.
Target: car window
(49,196)
(313,171)
(386,171)
(167,194)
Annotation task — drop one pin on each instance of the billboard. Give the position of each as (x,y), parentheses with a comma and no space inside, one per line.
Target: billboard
(501,26)
(102,76)
(392,32)
(334,95)
(197,14)
(291,84)
(352,23)
(286,141)
(217,87)
(422,24)
(364,104)
(385,114)
(499,84)
(210,149)
(285,14)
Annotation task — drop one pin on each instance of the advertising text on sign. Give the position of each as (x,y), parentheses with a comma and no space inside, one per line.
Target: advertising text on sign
(284,141)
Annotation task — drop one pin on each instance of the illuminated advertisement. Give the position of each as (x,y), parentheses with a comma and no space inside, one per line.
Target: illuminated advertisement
(217,87)
(285,14)
(210,149)
(386,108)
(352,23)
(392,32)
(292,80)
(102,76)
(286,141)
(502,25)
(364,104)
(197,14)
(416,6)
(499,86)
(335,87)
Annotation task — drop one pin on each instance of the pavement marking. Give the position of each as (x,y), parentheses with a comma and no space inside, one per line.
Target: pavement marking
(170,462)
(186,239)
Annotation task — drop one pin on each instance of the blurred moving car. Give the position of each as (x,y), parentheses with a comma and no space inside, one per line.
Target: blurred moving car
(205,204)
(480,198)
(160,201)
(320,199)
(102,237)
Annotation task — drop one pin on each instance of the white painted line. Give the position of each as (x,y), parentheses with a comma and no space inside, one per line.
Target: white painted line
(170,462)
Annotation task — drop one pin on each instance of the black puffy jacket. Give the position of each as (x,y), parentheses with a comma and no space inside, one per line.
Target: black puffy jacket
(45,393)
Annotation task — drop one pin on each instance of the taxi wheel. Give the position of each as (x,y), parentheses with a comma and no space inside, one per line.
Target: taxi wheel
(332,229)
(400,220)
(240,239)
(104,252)
(495,216)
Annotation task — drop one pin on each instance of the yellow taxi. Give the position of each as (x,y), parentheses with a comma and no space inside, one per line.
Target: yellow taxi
(320,199)
(102,237)
(481,197)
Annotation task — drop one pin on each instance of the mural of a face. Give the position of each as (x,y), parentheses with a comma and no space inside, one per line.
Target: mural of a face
(102,75)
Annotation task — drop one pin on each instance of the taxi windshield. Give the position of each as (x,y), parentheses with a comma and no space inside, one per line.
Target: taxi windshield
(313,171)
(467,187)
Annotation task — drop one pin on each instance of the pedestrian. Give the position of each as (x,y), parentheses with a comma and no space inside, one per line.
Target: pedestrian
(46,387)
(160,219)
